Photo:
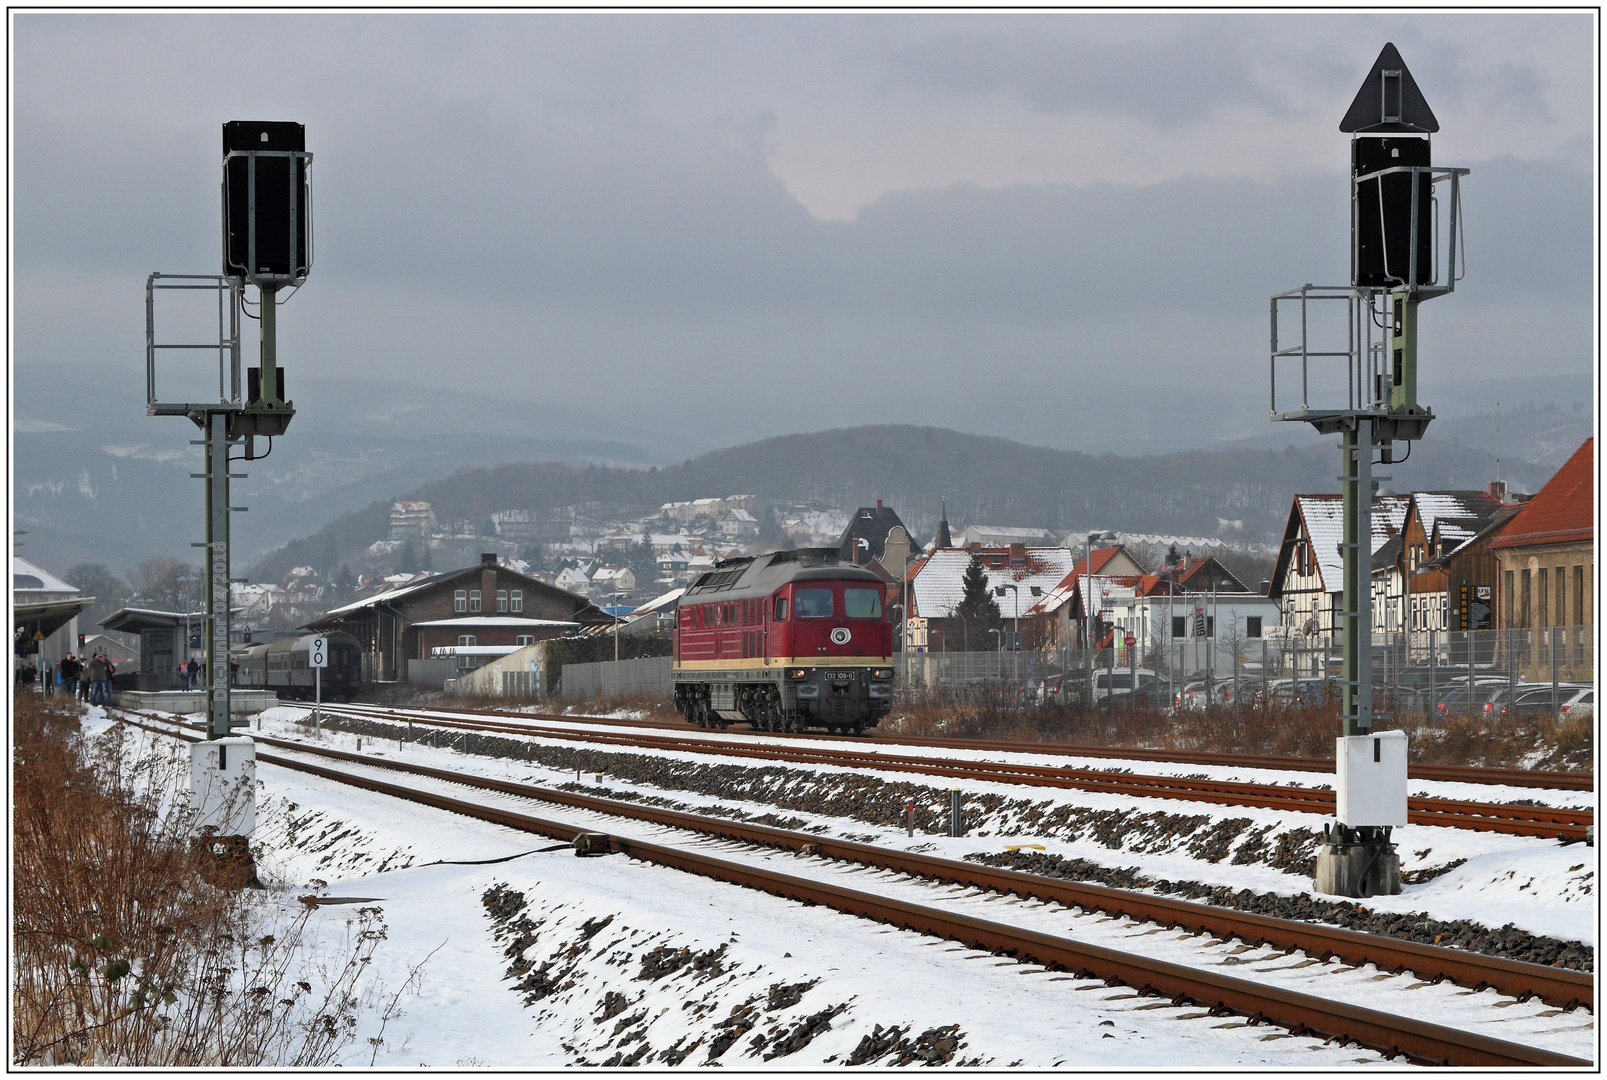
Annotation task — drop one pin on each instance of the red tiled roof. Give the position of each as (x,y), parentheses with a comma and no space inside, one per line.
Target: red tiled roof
(1101,557)
(1563,511)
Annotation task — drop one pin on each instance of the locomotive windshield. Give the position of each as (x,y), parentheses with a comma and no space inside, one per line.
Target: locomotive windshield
(812,604)
(862,603)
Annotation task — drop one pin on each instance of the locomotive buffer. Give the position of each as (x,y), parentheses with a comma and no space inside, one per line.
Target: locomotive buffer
(1369,370)
(267,243)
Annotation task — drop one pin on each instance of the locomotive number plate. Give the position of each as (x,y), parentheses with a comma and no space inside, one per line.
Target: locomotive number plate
(840,676)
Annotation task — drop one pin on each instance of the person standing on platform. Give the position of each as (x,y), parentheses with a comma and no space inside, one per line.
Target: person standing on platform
(99,676)
(70,667)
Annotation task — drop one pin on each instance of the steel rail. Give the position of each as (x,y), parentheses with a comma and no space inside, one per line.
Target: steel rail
(1558,986)
(1302,1014)
(1464,774)
(1486,817)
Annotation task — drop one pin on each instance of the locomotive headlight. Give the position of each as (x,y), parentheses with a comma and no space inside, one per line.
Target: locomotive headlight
(797,673)
(882,674)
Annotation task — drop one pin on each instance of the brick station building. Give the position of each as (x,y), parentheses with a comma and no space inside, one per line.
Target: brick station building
(490,605)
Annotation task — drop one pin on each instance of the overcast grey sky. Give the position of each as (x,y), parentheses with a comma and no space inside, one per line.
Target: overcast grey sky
(738,225)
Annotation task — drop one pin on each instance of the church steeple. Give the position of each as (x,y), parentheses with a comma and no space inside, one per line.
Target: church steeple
(943,539)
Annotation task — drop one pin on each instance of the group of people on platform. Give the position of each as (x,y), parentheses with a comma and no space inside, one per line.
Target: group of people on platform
(90,681)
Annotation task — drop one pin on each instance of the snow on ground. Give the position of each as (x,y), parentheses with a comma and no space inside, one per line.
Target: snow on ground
(1535,884)
(469,1012)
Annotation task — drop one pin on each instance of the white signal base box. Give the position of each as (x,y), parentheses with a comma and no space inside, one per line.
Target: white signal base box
(223,786)
(1370,779)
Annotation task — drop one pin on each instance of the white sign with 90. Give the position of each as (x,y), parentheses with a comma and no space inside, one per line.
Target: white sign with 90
(318,653)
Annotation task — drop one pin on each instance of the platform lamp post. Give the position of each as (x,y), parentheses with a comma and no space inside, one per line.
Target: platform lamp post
(1089,615)
(1015,643)
(1396,234)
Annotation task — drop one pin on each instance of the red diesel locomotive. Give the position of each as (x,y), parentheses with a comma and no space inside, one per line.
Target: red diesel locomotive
(786,640)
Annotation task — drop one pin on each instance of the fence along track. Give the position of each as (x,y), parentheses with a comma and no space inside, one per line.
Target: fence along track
(1558,986)
(1302,1014)
(1485,817)
(1462,774)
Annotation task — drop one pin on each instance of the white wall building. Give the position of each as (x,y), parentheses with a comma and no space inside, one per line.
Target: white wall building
(1194,633)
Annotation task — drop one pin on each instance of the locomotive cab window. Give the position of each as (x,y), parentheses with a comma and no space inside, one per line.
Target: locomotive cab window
(813,603)
(862,603)
(781,609)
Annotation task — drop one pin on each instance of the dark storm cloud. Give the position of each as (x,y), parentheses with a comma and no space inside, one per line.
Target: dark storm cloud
(588,208)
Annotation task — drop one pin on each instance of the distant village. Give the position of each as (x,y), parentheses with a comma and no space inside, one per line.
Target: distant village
(441,597)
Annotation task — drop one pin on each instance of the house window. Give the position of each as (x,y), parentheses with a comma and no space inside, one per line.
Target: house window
(1509,597)
(474,599)
(460,601)
(1543,608)
(1252,626)
(502,599)
(525,639)
(518,599)
(1180,626)
(1210,626)
(465,640)
(1562,596)
(1579,596)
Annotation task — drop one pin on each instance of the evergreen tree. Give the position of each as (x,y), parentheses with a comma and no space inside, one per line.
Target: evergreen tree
(345,584)
(427,564)
(977,610)
(331,556)
(407,562)
(771,536)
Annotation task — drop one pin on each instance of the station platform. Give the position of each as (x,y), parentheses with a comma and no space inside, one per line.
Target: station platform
(193,701)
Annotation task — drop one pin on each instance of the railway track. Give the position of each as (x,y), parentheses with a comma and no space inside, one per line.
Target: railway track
(1515,819)
(1463,774)
(1300,1013)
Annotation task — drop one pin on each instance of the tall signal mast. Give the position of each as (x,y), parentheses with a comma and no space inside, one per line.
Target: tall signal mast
(1362,386)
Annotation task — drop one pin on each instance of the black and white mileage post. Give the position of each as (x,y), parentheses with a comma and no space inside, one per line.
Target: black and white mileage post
(318,659)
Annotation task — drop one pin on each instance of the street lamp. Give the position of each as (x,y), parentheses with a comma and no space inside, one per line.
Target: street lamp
(1088,615)
(998,590)
(614,607)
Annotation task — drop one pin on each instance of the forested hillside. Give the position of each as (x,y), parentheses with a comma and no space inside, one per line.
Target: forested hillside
(1228,493)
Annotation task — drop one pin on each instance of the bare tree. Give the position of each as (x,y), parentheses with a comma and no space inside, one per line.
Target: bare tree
(167,585)
(109,590)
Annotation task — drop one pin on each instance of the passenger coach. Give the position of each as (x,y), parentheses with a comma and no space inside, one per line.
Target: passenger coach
(787,640)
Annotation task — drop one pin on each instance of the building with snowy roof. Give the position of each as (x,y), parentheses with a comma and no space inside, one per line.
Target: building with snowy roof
(1026,574)
(412,520)
(1306,579)
(864,537)
(45,612)
(387,624)
(1003,536)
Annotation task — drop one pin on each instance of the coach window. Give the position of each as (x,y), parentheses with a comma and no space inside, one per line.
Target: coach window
(781,609)
(502,599)
(474,599)
(460,601)
(813,603)
(518,599)
(862,603)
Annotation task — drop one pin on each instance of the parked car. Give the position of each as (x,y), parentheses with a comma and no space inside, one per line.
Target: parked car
(1463,701)
(1107,681)
(1506,697)
(1153,696)
(1569,700)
